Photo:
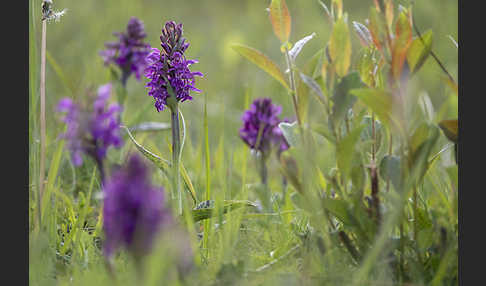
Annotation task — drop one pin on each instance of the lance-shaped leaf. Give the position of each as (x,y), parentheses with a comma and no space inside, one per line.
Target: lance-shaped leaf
(391,170)
(367,67)
(343,100)
(450,129)
(340,47)
(262,61)
(161,163)
(316,89)
(150,126)
(204,210)
(401,43)
(280,18)
(290,132)
(377,28)
(378,100)
(419,51)
(164,165)
(295,51)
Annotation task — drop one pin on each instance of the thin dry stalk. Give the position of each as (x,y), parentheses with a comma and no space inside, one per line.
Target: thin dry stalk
(42,116)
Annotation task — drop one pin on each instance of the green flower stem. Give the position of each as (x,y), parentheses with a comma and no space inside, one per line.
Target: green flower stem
(263,169)
(176,147)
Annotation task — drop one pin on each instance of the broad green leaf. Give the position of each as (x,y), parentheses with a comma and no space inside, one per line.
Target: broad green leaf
(401,43)
(378,100)
(343,100)
(345,150)
(340,47)
(290,132)
(419,51)
(204,210)
(367,67)
(262,62)
(295,51)
(280,18)
(450,129)
(150,126)
(323,129)
(391,169)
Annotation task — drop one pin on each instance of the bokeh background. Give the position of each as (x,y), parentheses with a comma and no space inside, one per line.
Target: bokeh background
(211,26)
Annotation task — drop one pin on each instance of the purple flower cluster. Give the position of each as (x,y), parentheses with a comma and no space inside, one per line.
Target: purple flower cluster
(168,69)
(130,52)
(133,209)
(91,132)
(260,128)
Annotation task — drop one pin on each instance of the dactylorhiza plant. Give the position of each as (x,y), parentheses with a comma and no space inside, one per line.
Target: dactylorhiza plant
(92,130)
(171,82)
(129,52)
(261,133)
(133,211)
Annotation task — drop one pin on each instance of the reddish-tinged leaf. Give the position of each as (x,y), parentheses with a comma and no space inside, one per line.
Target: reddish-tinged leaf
(262,62)
(401,43)
(280,18)
(377,27)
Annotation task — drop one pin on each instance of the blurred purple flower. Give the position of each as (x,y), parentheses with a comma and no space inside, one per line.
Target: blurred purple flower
(262,117)
(130,52)
(91,132)
(168,68)
(133,209)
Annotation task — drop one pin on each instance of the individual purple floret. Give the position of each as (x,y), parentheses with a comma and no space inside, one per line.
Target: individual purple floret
(93,131)
(262,117)
(168,69)
(133,210)
(130,52)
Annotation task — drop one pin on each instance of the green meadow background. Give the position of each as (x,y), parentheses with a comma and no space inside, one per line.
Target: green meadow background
(230,83)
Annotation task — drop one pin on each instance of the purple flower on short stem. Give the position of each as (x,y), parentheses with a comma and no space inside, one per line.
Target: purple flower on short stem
(133,211)
(91,131)
(260,131)
(129,52)
(171,82)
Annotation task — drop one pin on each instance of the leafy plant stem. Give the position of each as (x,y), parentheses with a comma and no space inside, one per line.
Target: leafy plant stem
(293,90)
